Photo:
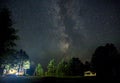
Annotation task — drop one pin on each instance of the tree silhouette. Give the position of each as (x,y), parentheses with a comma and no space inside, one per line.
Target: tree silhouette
(105,62)
(87,66)
(7,36)
(76,67)
(7,32)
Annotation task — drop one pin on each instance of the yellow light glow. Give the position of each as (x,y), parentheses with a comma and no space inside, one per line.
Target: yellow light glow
(12,71)
(21,73)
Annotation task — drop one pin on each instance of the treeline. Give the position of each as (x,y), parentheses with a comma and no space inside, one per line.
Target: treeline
(105,62)
(73,67)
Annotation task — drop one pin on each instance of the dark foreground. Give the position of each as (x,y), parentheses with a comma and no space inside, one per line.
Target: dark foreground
(24,79)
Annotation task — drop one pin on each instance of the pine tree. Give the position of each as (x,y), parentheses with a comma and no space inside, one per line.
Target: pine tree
(62,68)
(39,70)
(7,33)
(7,37)
(51,68)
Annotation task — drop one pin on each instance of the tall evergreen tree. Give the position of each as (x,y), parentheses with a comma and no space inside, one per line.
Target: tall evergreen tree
(7,36)
(7,33)
(51,68)
(62,68)
(39,70)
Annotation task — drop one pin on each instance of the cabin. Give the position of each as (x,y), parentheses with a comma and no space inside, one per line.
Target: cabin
(89,73)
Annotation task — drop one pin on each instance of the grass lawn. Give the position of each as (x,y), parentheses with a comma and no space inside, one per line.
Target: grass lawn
(36,79)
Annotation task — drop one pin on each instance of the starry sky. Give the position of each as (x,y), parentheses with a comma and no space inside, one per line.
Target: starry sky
(64,28)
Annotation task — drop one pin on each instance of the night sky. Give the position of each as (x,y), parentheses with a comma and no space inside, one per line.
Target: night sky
(64,28)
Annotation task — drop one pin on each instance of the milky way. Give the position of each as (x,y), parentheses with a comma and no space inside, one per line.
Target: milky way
(64,28)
